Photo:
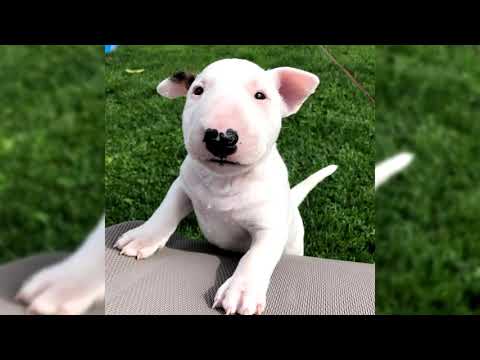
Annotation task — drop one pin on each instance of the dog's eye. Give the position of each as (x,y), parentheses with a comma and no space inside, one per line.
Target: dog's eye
(260,95)
(198,90)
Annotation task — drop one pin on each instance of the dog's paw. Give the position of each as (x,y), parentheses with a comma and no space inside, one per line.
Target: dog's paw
(241,296)
(58,290)
(139,243)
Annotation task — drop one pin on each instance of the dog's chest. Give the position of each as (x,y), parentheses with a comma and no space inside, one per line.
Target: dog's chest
(222,208)
(220,218)
(228,210)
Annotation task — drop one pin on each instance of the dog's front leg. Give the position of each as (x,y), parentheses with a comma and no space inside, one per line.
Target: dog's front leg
(73,285)
(245,291)
(144,240)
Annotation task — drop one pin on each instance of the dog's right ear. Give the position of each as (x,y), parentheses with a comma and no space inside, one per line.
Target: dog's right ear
(176,85)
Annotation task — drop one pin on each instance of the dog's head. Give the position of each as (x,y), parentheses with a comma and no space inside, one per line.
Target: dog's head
(234,110)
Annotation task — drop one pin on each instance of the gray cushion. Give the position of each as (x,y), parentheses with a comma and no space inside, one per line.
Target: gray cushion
(183,279)
(13,274)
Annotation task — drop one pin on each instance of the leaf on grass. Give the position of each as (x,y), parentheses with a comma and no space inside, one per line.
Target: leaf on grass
(41,217)
(6,144)
(67,183)
(134,71)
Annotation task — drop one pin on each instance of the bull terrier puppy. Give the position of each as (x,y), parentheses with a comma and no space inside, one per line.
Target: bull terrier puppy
(233,177)
(73,285)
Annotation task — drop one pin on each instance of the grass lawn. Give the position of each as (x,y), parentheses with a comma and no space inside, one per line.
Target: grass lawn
(51,147)
(144,147)
(428,242)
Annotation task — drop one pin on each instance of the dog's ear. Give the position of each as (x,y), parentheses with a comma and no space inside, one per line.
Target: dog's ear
(176,85)
(294,86)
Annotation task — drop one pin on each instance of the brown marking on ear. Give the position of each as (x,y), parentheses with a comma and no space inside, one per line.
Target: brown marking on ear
(186,78)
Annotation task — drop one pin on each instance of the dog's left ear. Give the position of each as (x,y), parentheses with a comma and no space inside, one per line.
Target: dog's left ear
(176,85)
(294,86)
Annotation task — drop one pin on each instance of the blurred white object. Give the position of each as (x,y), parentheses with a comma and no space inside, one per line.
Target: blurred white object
(73,285)
(391,166)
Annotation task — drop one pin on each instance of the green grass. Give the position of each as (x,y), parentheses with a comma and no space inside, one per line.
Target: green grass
(144,147)
(428,244)
(51,147)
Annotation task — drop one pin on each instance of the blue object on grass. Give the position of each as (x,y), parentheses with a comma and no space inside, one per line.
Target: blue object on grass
(110,48)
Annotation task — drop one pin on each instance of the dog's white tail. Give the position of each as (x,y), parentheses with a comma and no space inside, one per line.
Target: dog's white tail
(301,190)
(390,167)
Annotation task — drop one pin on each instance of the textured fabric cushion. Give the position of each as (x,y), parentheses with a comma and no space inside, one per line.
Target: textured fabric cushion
(13,274)
(183,279)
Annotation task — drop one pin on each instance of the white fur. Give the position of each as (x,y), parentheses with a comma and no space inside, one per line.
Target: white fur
(247,208)
(388,168)
(73,285)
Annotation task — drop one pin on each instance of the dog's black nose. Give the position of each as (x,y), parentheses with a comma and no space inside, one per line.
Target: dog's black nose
(219,144)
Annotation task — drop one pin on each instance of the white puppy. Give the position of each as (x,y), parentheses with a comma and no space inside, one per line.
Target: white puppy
(233,176)
(73,285)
